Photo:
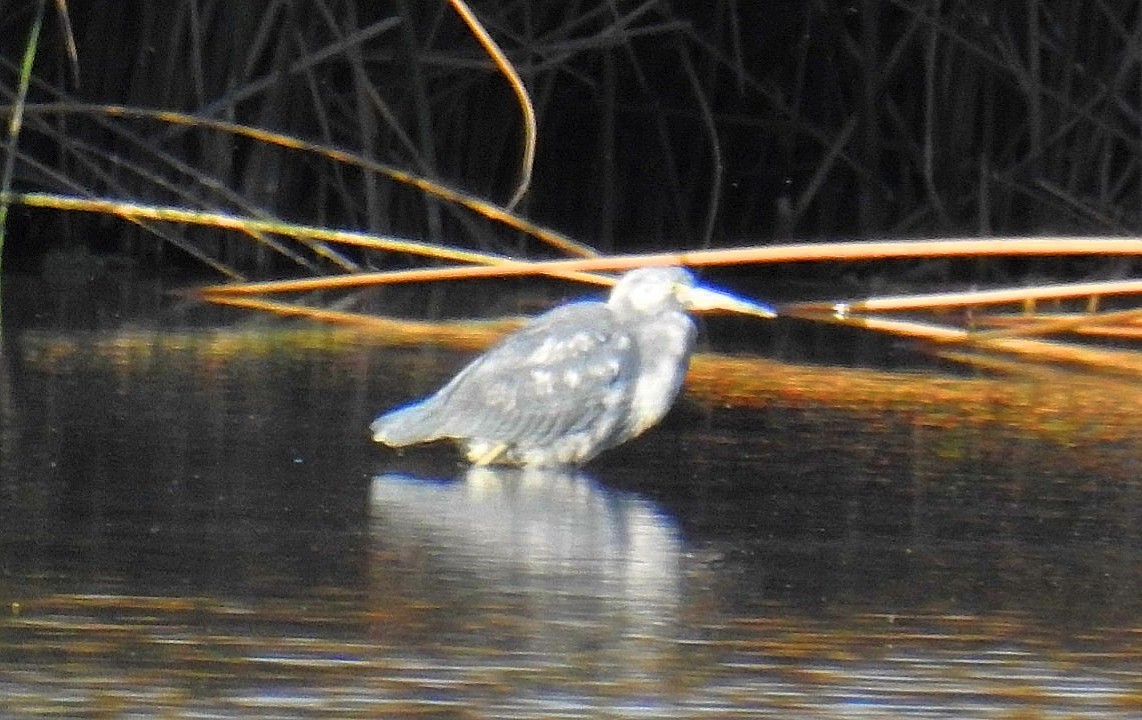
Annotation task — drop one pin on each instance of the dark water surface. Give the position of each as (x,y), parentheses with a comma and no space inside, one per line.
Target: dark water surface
(194,523)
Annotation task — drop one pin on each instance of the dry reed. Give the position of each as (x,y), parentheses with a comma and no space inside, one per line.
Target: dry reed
(939,118)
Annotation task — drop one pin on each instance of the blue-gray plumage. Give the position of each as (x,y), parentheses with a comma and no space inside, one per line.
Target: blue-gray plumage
(571,383)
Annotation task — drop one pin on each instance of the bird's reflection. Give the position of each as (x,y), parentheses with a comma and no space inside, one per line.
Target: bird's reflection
(554,548)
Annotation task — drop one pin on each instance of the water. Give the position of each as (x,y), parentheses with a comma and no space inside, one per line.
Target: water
(193,523)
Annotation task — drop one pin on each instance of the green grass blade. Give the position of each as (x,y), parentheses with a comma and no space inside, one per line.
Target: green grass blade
(17,117)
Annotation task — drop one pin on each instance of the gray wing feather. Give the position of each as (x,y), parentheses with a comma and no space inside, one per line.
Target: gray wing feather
(564,371)
(407,425)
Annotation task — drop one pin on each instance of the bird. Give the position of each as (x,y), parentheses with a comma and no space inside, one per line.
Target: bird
(579,379)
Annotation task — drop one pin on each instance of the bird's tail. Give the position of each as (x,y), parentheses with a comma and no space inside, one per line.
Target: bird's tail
(405,426)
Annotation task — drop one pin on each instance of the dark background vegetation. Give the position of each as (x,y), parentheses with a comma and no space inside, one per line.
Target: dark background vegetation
(662,124)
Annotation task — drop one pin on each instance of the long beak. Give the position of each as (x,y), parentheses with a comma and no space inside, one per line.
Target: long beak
(705,299)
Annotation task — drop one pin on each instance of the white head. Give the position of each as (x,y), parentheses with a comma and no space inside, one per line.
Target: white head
(652,303)
(654,290)
(650,291)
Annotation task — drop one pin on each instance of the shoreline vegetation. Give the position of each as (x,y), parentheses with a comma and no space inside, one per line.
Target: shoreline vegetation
(331,141)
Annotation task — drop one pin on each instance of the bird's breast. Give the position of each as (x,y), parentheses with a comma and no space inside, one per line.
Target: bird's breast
(664,348)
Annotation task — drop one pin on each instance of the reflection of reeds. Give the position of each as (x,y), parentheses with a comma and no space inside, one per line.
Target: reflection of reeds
(1066,408)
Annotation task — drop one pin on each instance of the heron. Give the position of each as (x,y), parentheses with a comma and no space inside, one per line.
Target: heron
(579,379)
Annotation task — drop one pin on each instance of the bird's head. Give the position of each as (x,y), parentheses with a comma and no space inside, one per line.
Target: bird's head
(652,290)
